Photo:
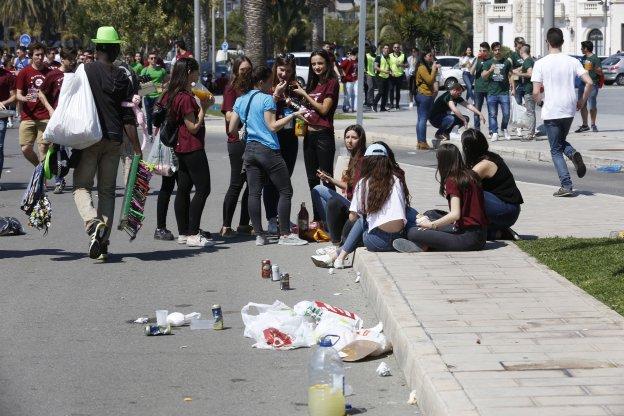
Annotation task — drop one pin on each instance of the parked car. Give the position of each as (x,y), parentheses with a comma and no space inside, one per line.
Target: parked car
(450,71)
(613,69)
(302,63)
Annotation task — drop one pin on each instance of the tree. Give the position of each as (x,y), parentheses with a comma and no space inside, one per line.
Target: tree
(315,8)
(254,12)
(289,27)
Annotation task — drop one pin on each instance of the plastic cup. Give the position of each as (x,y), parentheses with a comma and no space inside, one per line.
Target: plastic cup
(161,317)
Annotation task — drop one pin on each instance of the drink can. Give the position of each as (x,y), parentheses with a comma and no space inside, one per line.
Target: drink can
(153,330)
(285,282)
(217,316)
(275,273)
(265,269)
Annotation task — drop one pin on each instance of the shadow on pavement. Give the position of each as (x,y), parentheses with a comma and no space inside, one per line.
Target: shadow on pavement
(62,255)
(493,245)
(12,186)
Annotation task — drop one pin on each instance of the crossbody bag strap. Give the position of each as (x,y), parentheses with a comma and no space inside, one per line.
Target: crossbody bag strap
(249,105)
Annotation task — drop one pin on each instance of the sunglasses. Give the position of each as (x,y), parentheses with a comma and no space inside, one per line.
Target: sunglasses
(286,56)
(151,58)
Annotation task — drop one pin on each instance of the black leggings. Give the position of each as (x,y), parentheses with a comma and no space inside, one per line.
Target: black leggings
(337,216)
(319,148)
(194,171)
(472,239)
(164,196)
(289,147)
(237,181)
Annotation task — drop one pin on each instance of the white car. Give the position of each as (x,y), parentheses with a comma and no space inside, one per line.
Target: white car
(302,62)
(449,71)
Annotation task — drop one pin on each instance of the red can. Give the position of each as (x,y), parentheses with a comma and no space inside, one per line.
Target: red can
(265,269)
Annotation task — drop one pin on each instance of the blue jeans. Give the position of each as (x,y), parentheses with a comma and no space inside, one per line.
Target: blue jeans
(468,80)
(520,93)
(446,122)
(500,214)
(557,131)
(424,103)
(493,101)
(149,108)
(373,240)
(321,194)
(479,98)
(592,100)
(3,126)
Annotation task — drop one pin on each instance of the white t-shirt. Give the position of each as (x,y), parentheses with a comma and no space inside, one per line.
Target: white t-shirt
(392,209)
(557,72)
(466,60)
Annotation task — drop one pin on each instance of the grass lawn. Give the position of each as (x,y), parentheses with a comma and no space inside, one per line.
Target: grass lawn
(343,116)
(596,265)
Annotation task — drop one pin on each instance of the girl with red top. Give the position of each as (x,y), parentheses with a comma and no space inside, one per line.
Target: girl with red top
(236,148)
(193,163)
(349,77)
(464,227)
(321,96)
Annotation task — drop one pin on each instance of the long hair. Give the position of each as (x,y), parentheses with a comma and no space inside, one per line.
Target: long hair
(398,172)
(236,65)
(313,79)
(179,77)
(422,61)
(452,166)
(475,147)
(287,60)
(357,153)
(248,79)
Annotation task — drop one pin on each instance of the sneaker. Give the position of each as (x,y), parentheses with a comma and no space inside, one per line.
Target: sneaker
(383,109)
(245,229)
(563,192)
(423,146)
(579,165)
(163,234)
(339,264)
(594,128)
(97,237)
(440,136)
(494,137)
(374,108)
(411,105)
(326,250)
(206,234)
(582,129)
(397,108)
(227,232)
(182,239)
(323,260)
(519,132)
(58,188)
(103,253)
(9,124)
(528,138)
(509,234)
(272,228)
(291,240)
(261,240)
(403,245)
(199,240)
(506,134)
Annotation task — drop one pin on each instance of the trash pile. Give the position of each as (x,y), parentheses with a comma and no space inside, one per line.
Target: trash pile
(165,321)
(281,327)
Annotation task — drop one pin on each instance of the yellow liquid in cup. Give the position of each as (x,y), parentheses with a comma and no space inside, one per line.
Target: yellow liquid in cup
(324,400)
(202,94)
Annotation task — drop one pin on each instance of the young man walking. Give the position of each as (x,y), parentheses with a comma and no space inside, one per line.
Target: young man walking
(7,96)
(382,68)
(157,75)
(516,62)
(592,64)
(110,86)
(497,71)
(524,73)
(398,63)
(480,84)
(556,72)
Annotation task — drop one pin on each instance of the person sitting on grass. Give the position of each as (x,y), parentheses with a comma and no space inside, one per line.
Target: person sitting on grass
(464,227)
(445,113)
(378,208)
(502,196)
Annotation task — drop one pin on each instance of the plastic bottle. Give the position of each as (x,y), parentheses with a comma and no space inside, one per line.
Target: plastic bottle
(326,381)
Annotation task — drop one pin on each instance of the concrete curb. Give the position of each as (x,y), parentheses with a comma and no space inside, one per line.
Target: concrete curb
(437,391)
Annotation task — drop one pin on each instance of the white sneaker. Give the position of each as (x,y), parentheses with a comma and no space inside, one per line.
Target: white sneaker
(338,264)
(291,240)
(199,241)
(261,240)
(9,124)
(182,239)
(411,105)
(519,132)
(273,229)
(507,135)
(494,137)
(326,250)
(323,260)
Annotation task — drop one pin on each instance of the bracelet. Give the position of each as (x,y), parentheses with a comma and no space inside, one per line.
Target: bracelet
(434,226)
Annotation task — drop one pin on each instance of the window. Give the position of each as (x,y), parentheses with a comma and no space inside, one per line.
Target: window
(448,62)
(500,1)
(595,35)
(500,35)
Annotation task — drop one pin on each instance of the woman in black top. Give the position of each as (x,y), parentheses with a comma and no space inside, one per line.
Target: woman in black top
(502,196)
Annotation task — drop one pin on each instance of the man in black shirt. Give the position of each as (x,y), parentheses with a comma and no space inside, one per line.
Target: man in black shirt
(110,87)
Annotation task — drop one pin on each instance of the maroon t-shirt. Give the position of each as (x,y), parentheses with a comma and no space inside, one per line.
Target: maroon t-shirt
(229,97)
(184,103)
(32,79)
(52,86)
(472,203)
(54,65)
(7,84)
(329,89)
(349,70)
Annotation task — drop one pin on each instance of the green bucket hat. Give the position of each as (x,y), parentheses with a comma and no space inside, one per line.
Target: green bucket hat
(106,34)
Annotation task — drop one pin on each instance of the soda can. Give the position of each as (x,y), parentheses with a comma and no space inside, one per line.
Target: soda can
(265,269)
(275,273)
(285,282)
(217,317)
(153,330)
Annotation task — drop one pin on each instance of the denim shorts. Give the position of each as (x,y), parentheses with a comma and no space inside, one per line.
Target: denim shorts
(591,101)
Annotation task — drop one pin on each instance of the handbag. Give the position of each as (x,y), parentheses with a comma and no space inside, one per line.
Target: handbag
(243,135)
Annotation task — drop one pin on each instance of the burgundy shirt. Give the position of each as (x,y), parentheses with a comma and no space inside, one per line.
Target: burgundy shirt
(349,69)
(7,84)
(27,79)
(330,89)
(52,86)
(184,103)
(229,97)
(472,203)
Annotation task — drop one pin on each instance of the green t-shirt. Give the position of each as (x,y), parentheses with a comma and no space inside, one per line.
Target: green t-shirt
(528,85)
(137,67)
(441,104)
(590,63)
(516,60)
(499,79)
(157,75)
(481,84)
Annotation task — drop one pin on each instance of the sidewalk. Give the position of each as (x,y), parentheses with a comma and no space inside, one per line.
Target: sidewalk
(494,333)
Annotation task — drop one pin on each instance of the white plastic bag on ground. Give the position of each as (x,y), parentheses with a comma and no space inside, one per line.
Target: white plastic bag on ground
(367,342)
(277,326)
(331,320)
(75,121)
(163,158)
(519,114)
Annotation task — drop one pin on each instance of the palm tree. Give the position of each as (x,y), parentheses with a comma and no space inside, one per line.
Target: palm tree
(287,24)
(316,18)
(254,12)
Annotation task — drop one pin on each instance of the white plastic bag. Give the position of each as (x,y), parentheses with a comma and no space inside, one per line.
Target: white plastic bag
(519,114)
(75,121)
(277,326)
(163,158)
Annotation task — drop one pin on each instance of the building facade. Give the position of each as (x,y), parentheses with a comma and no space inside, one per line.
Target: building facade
(601,21)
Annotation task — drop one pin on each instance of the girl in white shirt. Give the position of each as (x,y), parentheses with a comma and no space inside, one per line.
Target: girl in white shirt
(378,208)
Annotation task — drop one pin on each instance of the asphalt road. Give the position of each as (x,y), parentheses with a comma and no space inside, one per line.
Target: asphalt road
(67,347)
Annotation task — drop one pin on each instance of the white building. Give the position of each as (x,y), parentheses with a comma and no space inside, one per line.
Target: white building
(503,20)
